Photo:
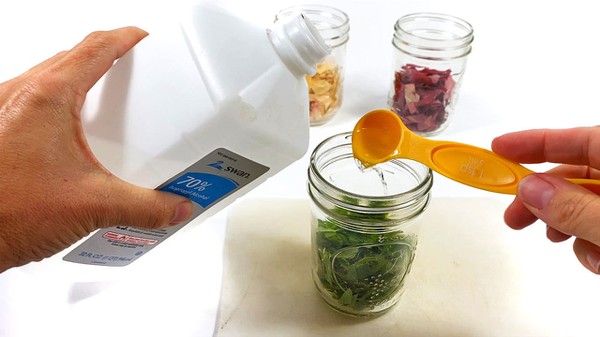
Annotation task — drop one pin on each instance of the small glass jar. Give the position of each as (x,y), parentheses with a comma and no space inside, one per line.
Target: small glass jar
(430,56)
(326,85)
(365,225)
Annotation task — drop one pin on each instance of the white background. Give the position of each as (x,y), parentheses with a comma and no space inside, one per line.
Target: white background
(534,65)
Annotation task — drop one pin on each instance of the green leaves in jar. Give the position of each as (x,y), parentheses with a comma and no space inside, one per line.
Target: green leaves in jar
(362,270)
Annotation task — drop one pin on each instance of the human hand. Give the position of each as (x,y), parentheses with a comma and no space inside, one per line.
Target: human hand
(53,191)
(567,209)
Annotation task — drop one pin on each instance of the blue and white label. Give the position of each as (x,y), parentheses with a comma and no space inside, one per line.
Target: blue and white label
(206,183)
(201,188)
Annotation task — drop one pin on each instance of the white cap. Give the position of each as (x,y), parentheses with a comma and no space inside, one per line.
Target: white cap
(298,44)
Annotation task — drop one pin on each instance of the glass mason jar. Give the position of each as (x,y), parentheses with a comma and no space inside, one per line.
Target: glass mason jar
(364,226)
(429,60)
(326,85)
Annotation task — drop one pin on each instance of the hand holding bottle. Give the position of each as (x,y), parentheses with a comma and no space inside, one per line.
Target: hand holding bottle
(53,191)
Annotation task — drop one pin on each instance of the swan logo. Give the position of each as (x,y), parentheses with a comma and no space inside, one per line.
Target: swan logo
(217,165)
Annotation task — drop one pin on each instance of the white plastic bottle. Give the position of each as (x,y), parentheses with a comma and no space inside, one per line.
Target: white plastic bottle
(210,135)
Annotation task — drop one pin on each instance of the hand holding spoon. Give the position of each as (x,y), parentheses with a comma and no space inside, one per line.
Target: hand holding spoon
(380,136)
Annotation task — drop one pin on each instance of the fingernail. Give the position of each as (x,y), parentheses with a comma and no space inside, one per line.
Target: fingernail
(183,211)
(535,191)
(593,258)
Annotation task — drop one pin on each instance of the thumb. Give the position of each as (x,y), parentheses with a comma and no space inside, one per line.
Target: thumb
(588,254)
(568,208)
(143,208)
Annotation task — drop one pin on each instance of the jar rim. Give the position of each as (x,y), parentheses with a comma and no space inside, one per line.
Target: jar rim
(466,27)
(422,188)
(433,36)
(337,30)
(329,11)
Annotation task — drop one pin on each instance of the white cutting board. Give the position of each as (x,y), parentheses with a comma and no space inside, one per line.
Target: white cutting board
(472,276)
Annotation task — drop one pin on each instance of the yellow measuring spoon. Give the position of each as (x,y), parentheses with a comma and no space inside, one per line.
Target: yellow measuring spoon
(380,136)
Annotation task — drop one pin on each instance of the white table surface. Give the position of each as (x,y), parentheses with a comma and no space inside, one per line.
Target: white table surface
(534,65)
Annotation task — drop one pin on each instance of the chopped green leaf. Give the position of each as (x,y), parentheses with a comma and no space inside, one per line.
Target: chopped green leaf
(362,270)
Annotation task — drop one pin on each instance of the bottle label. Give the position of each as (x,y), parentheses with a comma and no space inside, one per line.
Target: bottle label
(206,183)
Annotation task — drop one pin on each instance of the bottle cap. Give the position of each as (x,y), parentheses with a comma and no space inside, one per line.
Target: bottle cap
(298,43)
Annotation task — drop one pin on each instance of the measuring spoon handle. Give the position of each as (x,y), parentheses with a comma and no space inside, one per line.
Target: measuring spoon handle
(481,168)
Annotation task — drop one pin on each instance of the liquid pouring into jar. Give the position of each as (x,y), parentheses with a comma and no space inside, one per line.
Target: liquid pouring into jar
(380,136)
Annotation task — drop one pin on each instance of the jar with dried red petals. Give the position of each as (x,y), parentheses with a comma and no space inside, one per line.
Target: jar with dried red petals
(326,85)
(430,56)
